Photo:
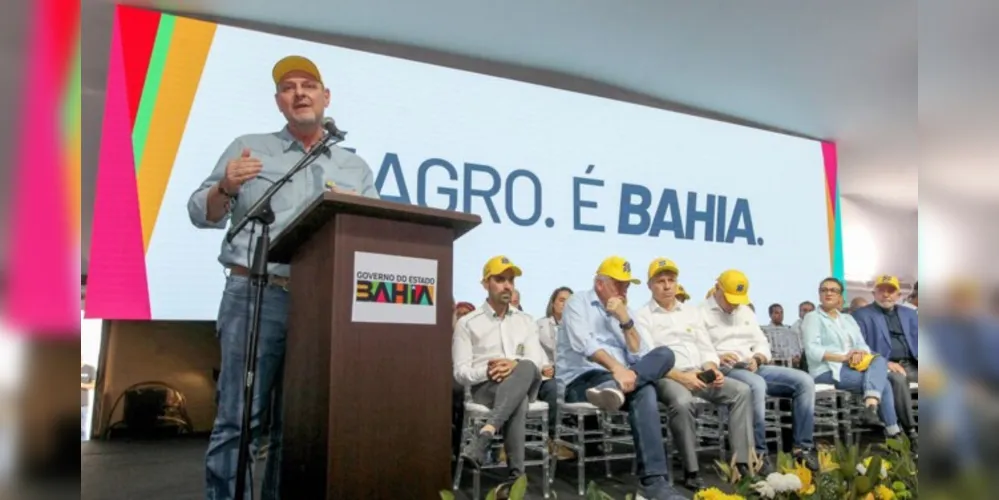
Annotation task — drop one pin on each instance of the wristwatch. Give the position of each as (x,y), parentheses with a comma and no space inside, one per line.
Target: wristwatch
(222,191)
(626,326)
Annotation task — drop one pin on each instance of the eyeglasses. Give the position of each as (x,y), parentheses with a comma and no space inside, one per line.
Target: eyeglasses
(837,291)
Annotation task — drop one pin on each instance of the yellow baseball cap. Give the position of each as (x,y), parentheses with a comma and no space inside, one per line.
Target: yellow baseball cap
(887,280)
(711,292)
(618,269)
(735,285)
(661,265)
(498,265)
(680,292)
(295,63)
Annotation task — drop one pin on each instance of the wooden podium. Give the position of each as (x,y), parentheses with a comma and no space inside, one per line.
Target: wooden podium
(367,405)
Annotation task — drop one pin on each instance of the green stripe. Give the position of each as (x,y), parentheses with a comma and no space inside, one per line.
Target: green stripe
(838,268)
(151,89)
(71,102)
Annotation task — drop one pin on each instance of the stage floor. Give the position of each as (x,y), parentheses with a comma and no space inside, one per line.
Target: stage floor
(174,470)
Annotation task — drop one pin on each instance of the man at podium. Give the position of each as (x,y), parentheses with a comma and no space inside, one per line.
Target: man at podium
(249,165)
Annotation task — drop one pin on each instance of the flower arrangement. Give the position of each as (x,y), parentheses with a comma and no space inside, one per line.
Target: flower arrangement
(842,475)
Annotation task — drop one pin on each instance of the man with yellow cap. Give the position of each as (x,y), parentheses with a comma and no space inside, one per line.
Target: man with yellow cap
(681,294)
(248,167)
(745,356)
(893,333)
(695,373)
(603,358)
(497,354)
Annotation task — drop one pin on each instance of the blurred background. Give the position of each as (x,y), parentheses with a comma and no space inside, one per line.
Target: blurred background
(906,90)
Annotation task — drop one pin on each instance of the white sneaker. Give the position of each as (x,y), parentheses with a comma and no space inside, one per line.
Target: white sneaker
(607,399)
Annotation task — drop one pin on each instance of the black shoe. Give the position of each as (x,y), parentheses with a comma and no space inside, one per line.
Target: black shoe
(765,467)
(475,451)
(693,482)
(869,417)
(807,458)
(914,444)
(744,471)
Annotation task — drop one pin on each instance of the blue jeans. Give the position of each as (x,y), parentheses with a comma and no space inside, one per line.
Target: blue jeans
(871,383)
(781,382)
(223,447)
(642,405)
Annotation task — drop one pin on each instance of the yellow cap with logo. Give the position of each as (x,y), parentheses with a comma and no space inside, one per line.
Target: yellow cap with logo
(295,63)
(617,269)
(680,292)
(735,285)
(499,265)
(662,265)
(887,280)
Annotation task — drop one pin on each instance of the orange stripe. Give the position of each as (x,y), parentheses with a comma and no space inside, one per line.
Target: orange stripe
(73,160)
(181,76)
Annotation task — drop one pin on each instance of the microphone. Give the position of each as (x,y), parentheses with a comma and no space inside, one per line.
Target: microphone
(330,125)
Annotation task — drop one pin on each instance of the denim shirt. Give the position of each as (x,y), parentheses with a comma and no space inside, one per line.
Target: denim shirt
(586,329)
(824,334)
(278,152)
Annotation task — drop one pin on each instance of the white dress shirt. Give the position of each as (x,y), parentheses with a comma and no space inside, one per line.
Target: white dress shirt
(737,333)
(482,335)
(547,333)
(681,329)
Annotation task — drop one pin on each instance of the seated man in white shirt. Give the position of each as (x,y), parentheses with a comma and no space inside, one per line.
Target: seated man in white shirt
(669,323)
(745,354)
(496,352)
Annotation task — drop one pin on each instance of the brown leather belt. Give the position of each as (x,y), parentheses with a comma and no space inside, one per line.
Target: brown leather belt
(272,279)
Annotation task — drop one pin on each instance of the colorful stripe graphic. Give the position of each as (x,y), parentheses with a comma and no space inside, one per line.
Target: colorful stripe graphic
(43,239)
(155,68)
(835,219)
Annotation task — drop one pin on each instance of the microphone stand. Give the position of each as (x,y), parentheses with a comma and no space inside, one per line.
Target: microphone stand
(261,212)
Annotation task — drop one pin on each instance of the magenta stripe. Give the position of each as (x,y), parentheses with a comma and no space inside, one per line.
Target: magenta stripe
(116,284)
(830,161)
(43,293)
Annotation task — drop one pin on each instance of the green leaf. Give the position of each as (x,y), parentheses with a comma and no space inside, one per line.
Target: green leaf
(862,485)
(898,486)
(447,495)
(629,496)
(519,489)
(874,471)
(492,493)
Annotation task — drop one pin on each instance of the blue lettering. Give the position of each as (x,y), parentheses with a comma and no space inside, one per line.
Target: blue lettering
(741,224)
(667,218)
(421,182)
(391,163)
(694,215)
(578,204)
(485,194)
(536,213)
(630,207)
(720,221)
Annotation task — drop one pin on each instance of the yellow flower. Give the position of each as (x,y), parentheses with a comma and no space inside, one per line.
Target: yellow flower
(883,492)
(715,494)
(805,475)
(885,466)
(826,461)
(869,496)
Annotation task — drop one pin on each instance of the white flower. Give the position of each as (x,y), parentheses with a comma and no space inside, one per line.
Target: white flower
(783,483)
(862,469)
(764,489)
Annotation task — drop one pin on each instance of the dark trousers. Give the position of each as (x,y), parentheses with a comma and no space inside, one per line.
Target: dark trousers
(642,406)
(548,392)
(903,395)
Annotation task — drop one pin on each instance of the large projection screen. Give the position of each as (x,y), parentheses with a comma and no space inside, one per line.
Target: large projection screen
(560,179)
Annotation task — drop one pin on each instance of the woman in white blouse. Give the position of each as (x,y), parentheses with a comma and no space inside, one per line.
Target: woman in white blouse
(832,343)
(548,333)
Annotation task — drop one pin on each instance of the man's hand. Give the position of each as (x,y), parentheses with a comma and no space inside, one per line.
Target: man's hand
(897,368)
(729,358)
(854,356)
(753,364)
(500,369)
(340,190)
(689,380)
(548,371)
(796,361)
(617,307)
(626,379)
(719,378)
(240,170)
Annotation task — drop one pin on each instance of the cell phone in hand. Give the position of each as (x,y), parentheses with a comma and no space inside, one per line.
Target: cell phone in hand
(740,366)
(707,376)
